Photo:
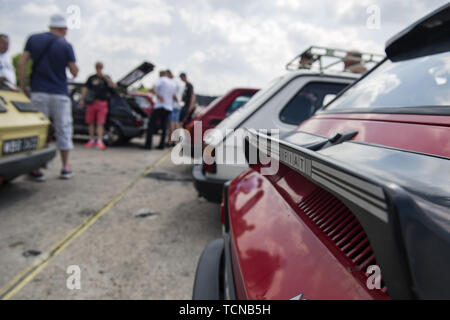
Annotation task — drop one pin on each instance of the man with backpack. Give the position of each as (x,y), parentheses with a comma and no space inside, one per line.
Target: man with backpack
(51,55)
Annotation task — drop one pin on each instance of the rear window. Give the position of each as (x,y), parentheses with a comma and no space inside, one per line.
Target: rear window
(421,84)
(310,98)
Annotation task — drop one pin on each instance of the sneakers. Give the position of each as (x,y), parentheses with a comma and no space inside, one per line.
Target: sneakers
(97,144)
(37,175)
(100,145)
(90,144)
(66,173)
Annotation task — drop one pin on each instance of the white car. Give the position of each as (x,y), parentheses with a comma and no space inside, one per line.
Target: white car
(284,104)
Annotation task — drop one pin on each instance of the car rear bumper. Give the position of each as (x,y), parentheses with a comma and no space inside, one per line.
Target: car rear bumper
(14,166)
(214,276)
(131,132)
(210,189)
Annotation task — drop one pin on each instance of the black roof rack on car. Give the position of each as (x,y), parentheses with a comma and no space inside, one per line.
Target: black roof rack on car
(321,59)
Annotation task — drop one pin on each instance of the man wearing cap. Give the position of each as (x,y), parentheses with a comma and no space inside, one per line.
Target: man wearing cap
(51,55)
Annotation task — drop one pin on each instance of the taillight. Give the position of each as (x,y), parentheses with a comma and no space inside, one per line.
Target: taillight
(209,155)
(211,168)
(139,123)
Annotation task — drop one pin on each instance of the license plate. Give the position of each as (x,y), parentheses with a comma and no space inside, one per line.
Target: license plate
(19,145)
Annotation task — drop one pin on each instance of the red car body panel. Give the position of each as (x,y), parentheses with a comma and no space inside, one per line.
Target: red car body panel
(279,255)
(276,251)
(216,112)
(418,133)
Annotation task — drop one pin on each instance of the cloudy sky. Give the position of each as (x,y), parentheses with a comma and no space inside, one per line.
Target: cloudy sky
(220,43)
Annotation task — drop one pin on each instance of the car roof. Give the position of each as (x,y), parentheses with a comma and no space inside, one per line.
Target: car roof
(242,114)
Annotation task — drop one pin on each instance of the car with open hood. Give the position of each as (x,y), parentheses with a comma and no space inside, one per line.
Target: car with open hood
(358,207)
(126,118)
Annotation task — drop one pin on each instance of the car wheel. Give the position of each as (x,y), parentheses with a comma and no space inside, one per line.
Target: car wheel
(113,135)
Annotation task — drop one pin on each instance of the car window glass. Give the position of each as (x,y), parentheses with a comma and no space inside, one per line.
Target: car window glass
(421,82)
(308,100)
(328,98)
(237,103)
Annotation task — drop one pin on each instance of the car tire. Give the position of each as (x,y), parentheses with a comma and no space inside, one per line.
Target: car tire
(113,135)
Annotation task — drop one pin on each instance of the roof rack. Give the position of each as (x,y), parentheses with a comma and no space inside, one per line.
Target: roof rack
(322,58)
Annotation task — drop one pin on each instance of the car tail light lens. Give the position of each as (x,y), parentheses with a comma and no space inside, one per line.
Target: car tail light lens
(209,155)
(211,168)
(138,123)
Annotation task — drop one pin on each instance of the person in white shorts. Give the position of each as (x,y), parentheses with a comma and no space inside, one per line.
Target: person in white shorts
(51,55)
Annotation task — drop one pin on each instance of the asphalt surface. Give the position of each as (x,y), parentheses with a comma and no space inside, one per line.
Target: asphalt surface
(143,237)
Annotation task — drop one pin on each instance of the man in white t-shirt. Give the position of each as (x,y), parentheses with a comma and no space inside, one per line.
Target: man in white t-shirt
(174,120)
(7,72)
(165,93)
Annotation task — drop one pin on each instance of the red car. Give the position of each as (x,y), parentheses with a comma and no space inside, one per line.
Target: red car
(144,100)
(360,205)
(218,110)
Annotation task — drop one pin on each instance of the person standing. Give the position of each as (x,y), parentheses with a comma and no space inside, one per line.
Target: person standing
(188,98)
(165,94)
(97,86)
(51,55)
(354,63)
(7,73)
(174,120)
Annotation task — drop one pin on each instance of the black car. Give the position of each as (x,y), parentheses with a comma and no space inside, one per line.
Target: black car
(125,120)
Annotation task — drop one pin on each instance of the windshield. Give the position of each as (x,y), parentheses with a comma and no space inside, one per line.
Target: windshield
(417,83)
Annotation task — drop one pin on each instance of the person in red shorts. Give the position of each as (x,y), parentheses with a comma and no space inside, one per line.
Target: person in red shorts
(96,92)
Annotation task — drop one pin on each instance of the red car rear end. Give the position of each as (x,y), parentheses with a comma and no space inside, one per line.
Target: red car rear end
(359,206)
(219,110)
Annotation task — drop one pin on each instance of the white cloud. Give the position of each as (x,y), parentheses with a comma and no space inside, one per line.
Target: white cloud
(220,44)
(34,9)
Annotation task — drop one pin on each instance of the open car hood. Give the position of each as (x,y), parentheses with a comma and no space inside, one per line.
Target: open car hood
(136,74)
(401,198)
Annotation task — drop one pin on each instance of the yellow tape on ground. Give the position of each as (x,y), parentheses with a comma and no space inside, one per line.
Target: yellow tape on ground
(24,277)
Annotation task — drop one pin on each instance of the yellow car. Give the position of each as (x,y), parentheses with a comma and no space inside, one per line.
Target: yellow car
(23,136)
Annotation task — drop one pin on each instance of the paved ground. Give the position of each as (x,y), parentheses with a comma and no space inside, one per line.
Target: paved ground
(146,246)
